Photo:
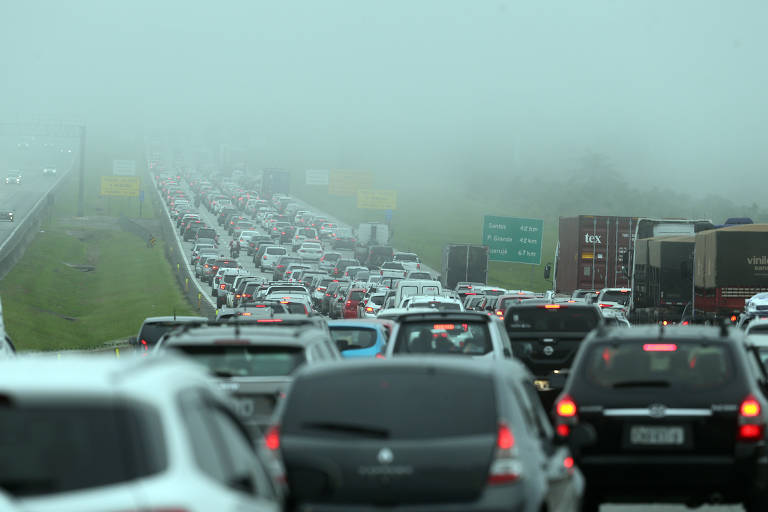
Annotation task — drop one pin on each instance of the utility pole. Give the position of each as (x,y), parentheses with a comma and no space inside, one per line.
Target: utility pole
(81,187)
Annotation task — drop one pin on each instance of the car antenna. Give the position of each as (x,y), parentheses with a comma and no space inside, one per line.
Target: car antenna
(237,326)
(174,314)
(661,329)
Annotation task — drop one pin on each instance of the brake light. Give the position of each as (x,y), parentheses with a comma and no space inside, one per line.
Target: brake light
(605,305)
(505,467)
(380,356)
(272,438)
(566,407)
(265,257)
(563,430)
(223,286)
(552,306)
(269,320)
(369,309)
(751,424)
(659,347)
(568,462)
(734,318)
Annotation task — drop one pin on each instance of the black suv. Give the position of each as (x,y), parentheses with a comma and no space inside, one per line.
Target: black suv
(546,338)
(674,411)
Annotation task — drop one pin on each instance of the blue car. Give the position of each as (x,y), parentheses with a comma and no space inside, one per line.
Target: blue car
(358,338)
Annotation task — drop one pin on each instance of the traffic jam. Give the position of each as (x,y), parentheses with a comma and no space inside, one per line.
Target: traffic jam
(338,373)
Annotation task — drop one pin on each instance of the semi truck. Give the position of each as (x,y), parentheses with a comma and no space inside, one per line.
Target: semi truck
(730,265)
(464,262)
(662,278)
(595,252)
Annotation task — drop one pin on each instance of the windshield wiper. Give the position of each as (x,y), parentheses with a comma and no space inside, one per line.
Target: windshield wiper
(642,384)
(224,373)
(350,428)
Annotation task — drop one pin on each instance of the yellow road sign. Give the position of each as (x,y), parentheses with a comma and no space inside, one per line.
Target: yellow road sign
(377,199)
(127,186)
(347,183)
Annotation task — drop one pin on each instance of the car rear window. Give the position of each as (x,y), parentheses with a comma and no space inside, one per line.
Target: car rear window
(688,366)
(50,448)
(151,332)
(440,306)
(761,329)
(296,307)
(245,361)
(356,295)
(276,250)
(230,278)
(409,404)
(406,257)
(206,233)
(559,319)
(622,297)
(377,299)
(356,337)
(444,337)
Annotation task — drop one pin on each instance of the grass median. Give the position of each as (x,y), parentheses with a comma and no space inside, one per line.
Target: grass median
(84,281)
(425,221)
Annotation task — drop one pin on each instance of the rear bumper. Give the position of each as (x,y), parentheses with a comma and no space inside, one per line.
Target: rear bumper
(516,498)
(632,475)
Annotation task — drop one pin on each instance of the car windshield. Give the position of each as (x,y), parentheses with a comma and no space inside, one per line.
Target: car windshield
(275,250)
(409,404)
(355,295)
(355,337)
(406,257)
(552,319)
(152,331)
(377,299)
(688,366)
(444,337)
(245,361)
(760,329)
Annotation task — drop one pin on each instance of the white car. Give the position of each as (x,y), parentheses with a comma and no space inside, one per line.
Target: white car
(271,254)
(105,434)
(310,251)
(245,238)
(49,171)
(616,299)
(372,305)
(434,302)
(409,260)
(757,304)
(392,269)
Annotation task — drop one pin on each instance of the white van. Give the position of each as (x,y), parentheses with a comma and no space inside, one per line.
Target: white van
(410,287)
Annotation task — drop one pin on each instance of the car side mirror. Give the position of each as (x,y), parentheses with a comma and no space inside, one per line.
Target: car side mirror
(547,270)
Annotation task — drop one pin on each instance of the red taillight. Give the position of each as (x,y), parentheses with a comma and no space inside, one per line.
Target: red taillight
(551,306)
(369,309)
(566,407)
(659,347)
(223,286)
(505,467)
(568,462)
(563,430)
(504,438)
(269,320)
(605,305)
(380,356)
(751,432)
(272,438)
(734,318)
(265,257)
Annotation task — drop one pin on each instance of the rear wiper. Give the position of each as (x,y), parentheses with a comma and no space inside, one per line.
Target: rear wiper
(642,384)
(349,428)
(223,373)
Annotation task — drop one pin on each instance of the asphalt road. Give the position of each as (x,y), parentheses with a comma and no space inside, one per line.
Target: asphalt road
(246,262)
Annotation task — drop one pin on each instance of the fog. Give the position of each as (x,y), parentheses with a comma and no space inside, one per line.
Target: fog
(671,93)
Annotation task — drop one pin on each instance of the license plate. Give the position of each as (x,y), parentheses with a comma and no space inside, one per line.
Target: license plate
(257,405)
(541,384)
(656,436)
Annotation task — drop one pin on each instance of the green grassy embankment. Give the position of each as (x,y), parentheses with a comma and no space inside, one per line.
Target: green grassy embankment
(85,281)
(427,220)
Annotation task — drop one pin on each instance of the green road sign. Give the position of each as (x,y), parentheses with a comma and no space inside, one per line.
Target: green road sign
(512,239)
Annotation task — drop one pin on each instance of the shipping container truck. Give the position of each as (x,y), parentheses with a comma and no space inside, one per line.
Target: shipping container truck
(464,262)
(275,181)
(662,278)
(730,265)
(590,250)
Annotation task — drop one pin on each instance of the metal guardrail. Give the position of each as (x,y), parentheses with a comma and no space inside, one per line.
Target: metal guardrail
(174,253)
(12,248)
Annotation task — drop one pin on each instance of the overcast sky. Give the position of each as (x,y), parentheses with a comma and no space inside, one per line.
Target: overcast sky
(671,91)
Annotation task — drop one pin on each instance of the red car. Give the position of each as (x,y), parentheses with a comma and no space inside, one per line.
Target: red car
(354,297)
